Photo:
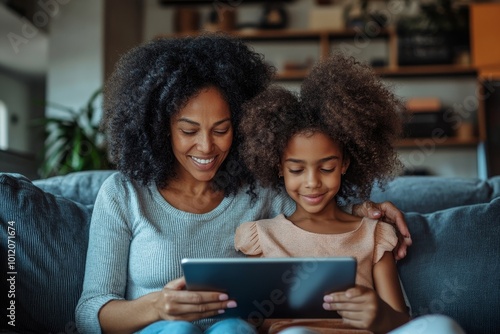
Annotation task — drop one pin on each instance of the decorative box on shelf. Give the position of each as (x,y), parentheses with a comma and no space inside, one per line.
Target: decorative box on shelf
(427,118)
(424,48)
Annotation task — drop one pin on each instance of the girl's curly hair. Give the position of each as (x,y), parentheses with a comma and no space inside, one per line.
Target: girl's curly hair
(341,98)
(154,81)
(269,121)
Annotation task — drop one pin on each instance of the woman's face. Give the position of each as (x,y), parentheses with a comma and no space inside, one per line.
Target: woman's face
(201,135)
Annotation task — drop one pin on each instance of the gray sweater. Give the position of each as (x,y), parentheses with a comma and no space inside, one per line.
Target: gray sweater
(137,241)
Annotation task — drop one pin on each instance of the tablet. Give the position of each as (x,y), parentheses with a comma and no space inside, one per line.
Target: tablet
(272,287)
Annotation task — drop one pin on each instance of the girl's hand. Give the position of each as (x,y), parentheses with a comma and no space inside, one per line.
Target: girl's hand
(387,212)
(175,303)
(359,307)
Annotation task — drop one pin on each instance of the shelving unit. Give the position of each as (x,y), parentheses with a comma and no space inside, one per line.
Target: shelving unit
(325,41)
(324,38)
(449,142)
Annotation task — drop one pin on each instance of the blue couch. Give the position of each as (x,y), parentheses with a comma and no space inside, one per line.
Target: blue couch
(453,267)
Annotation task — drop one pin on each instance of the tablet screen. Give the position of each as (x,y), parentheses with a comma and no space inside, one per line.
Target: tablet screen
(272,287)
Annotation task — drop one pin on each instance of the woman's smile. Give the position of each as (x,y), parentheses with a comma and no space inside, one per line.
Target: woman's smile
(204,163)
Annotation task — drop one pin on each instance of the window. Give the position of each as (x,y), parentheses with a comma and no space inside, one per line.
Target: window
(4,122)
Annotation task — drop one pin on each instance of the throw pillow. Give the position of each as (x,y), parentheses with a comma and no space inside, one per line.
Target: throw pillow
(43,249)
(494,182)
(453,266)
(426,194)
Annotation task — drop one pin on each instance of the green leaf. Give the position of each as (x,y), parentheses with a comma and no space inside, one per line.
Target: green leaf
(72,143)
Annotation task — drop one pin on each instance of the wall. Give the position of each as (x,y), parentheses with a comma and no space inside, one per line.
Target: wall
(22,79)
(75,68)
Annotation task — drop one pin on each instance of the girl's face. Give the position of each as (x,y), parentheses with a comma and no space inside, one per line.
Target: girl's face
(201,135)
(312,167)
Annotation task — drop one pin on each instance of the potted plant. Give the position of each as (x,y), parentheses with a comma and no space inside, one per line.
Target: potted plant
(74,142)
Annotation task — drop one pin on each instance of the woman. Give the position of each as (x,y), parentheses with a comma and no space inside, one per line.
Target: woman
(172,111)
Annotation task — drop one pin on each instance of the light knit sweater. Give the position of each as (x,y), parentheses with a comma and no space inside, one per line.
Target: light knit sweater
(137,241)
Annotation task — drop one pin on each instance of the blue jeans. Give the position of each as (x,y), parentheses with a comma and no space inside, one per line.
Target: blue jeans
(226,326)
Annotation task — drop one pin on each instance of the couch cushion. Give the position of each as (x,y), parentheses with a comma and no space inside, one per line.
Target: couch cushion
(453,266)
(81,187)
(494,182)
(49,235)
(427,194)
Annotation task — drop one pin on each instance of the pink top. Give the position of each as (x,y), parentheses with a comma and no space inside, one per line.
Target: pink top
(279,237)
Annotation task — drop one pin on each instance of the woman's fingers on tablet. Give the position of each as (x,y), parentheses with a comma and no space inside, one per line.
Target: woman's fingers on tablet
(192,305)
(176,284)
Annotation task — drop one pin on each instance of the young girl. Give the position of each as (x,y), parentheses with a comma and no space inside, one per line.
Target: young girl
(331,145)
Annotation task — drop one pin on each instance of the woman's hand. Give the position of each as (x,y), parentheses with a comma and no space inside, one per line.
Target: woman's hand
(387,212)
(175,303)
(170,303)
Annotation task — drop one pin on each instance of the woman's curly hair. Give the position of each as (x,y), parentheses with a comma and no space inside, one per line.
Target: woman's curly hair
(341,98)
(152,82)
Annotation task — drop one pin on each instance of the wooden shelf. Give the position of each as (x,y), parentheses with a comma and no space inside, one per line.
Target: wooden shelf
(399,71)
(451,141)
(490,73)
(210,2)
(292,34)
(426,70)
(293,75)
(281,34)
(287,34)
